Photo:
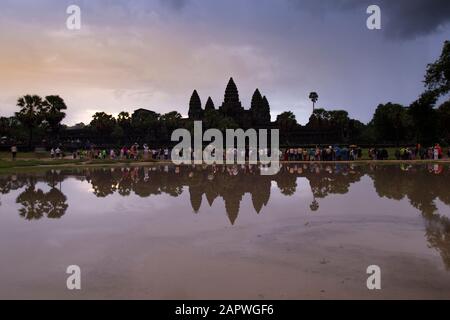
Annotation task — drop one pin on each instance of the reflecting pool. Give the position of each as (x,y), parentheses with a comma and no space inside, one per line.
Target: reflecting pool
(227,232)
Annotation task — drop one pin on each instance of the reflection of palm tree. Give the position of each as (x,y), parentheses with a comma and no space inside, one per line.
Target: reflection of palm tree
(9,184)
(103,183)
(53,178)
(36,203)
(56,205)
(32,201)
(287,183)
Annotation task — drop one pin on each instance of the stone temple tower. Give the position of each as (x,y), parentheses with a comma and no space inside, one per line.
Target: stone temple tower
(195,107)
(231,105)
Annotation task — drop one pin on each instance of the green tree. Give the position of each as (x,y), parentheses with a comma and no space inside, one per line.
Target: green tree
(53,107)
(424,117)
(171,120)
(340,120)
(286,121)
(443,113)
(103,124)
(319,119)
(4,127)
(356,131)
(30,114)
(124,122)
(391,123)
(437,78)
(118,133)
(145,123)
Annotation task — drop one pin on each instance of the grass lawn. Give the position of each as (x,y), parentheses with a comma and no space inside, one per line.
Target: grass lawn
(23,155)
(27,161)
(41,156)
(31,159)
(6,164)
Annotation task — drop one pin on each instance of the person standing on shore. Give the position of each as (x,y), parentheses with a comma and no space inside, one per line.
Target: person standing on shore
(58,153)
(146,151)
(14,152)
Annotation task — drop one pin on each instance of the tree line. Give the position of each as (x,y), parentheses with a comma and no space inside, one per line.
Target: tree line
(423,121)
(39,119)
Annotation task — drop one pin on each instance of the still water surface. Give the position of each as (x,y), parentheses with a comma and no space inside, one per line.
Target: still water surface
(167,232)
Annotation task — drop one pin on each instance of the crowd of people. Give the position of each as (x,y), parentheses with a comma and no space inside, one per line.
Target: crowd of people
(327,153)
(330,153)
(134,152)
(420,153)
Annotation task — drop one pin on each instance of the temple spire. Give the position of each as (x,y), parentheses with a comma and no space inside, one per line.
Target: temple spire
(265,111)
(260,109)
(231,92)
(257,101)
(209,105)
(231,105)
(195,107)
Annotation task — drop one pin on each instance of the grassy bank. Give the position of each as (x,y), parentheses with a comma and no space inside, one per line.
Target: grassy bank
(29,160)
(45,157)
(6,165)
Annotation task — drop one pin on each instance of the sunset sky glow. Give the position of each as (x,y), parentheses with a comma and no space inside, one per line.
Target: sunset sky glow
(153,54)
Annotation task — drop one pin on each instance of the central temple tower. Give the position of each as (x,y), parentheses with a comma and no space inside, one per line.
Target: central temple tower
(231,105)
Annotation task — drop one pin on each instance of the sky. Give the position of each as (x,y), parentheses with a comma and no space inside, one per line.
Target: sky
(153,53)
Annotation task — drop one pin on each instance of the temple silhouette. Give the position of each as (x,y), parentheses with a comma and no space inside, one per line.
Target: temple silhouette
(257,116)
(230,114)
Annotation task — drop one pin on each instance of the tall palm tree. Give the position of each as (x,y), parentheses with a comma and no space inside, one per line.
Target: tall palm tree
(54,114)
(313,96)
(30,114)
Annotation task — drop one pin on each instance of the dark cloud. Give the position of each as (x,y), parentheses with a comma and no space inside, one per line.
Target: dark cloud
(412,18)
(175,4)
(400,18)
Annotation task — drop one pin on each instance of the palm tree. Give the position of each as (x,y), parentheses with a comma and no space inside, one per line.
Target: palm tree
(54,114)
(313,96)
(30,114)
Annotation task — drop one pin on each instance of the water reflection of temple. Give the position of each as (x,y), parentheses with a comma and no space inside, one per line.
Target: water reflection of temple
(422,185)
